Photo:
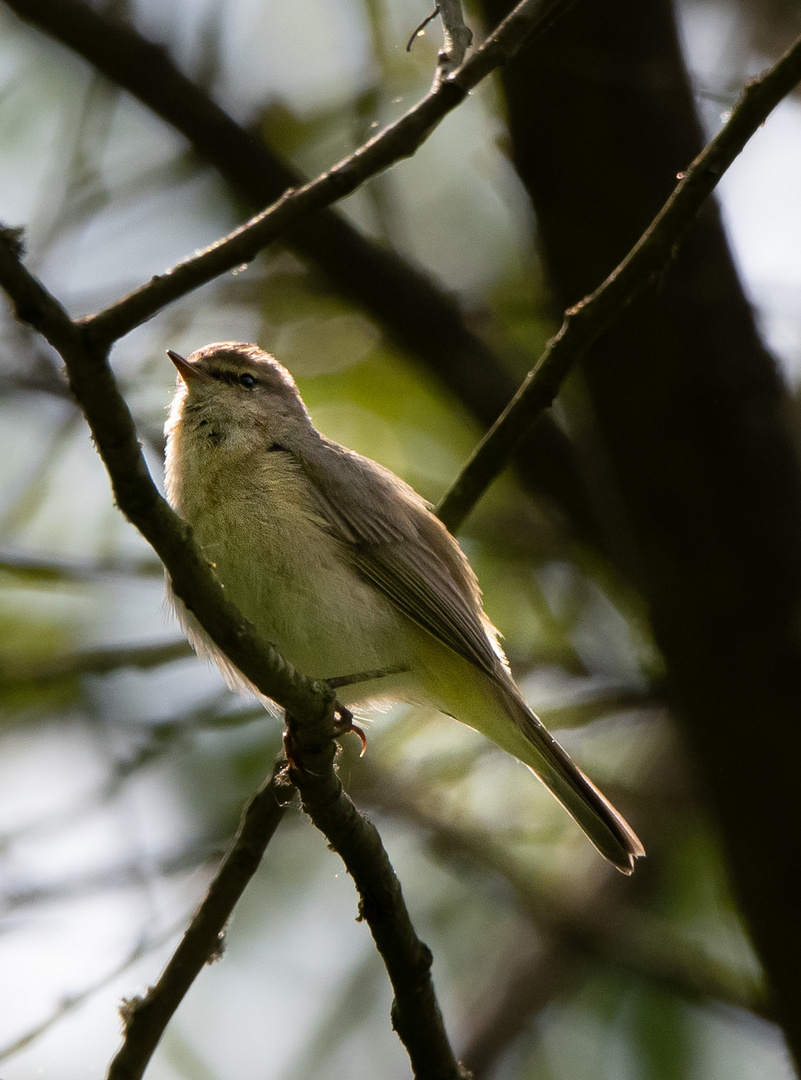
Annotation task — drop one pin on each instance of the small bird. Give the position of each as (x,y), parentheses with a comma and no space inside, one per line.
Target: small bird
(341,565)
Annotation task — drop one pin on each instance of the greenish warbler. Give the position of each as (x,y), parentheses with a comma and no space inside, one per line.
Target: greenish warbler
(346,570)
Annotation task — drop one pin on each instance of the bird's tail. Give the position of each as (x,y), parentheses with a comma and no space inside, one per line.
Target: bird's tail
(538,749)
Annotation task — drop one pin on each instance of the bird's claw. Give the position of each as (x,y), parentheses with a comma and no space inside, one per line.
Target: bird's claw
(343,725)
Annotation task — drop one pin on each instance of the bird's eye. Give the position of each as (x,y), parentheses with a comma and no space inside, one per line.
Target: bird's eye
(247,380)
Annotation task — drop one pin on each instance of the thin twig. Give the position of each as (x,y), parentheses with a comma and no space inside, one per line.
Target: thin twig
(102,661)
(146,1017)
(420,28)
(399,140)
(584,323)
(62,572)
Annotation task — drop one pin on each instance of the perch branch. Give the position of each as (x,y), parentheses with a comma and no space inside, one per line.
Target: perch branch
(416,1015)
(310,709)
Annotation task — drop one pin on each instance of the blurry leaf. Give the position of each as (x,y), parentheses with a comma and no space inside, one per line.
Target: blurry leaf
(663,1037)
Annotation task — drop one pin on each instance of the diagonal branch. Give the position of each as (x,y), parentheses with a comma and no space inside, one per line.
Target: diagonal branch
(416,1015)
(397,141)
(145,1018)
(42,672)
(584,323)
(423,320)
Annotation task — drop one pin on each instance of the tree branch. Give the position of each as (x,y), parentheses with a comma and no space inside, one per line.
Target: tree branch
(586,321)
(415,1012)
(42,671)
(399,140)
(145,1018)
(422,319)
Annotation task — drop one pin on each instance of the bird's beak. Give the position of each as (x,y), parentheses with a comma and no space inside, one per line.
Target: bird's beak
(186,370)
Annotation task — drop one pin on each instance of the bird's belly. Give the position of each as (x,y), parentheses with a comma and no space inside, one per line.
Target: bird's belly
(292,580)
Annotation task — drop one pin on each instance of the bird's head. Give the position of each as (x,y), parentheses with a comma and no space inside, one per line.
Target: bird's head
(232,389)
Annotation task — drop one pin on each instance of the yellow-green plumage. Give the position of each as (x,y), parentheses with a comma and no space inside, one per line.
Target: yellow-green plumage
(344,567)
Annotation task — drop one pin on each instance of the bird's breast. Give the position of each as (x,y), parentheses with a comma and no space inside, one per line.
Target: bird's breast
(260,525)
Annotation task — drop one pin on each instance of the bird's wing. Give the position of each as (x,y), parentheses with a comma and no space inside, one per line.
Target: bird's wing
(397,544)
